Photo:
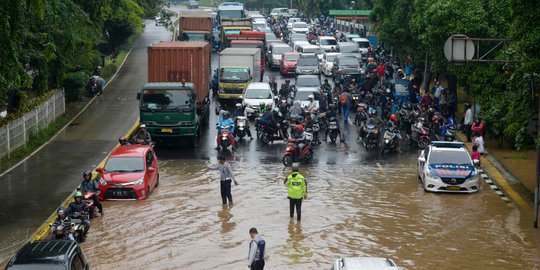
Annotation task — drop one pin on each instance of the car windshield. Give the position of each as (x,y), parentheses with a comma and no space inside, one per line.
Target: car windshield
(124,164)
(307,81)
(363,44)
(291,57)
(315,50)
(230,14)
(449,157)
(298,37)
(258,94)
(303,95)
(308,61)
(349,62)
(234,74)
(348,49)
(258,25)
(328,42)
(293,20)
(300,25)
(281,49)
(166,100)
(330,58)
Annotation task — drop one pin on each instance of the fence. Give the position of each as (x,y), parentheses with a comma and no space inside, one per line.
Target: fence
(17,132)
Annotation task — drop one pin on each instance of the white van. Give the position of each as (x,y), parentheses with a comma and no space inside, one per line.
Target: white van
(363,45)
(309,48)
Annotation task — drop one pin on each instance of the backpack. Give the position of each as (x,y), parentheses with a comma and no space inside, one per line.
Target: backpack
(343,99)
(261,246)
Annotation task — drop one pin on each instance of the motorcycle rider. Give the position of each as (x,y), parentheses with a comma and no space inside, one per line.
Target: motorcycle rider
(142,136)
(272,120)
(331,113)
(312,105)
(296,109)
(123,141)
(61,220)
(239,111)
(78,209)
(326,86)
(224,121)
(89,185)
(448,122)
(298,134)
(393,125)
(361,115)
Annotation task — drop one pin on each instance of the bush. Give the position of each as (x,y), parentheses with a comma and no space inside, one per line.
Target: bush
(74,85)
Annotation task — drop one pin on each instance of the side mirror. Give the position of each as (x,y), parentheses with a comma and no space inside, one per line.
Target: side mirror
(151,169)
(421,159)
(99,170)
(138,96)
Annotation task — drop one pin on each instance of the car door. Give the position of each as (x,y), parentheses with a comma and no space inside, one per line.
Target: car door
(150,163)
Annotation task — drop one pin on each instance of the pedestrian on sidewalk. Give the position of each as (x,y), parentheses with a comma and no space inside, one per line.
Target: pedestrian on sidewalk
(475,155)
(256,250)
(478,126)
(467,121)
(297,190)
(226,176)
(479,141)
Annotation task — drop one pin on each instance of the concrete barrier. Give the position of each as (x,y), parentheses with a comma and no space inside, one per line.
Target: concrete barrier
(43,231)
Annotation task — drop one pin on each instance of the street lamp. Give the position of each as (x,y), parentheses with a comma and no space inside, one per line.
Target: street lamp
(353,7)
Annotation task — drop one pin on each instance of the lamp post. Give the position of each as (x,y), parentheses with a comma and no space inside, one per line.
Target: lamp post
(353,7)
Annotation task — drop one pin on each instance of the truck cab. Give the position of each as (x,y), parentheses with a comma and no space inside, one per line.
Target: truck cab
(233,80)
(169,109)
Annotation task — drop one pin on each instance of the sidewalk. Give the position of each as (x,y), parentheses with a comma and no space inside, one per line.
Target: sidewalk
(503,177)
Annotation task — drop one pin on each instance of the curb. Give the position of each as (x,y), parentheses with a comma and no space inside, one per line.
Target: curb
(68,123)
(43,229)
(495,179)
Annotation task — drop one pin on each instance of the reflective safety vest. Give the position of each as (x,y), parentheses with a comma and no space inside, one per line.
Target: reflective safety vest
(296,185)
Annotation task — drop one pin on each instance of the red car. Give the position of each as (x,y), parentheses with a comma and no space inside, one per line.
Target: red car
(130,173)
(287,63)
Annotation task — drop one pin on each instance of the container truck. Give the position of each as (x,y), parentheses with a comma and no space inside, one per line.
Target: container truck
(237,68)
(195,26)
(174,104)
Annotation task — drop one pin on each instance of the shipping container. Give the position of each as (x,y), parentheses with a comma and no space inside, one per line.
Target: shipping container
(195,22)
(173,61)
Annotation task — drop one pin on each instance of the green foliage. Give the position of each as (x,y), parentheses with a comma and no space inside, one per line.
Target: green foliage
(74,85)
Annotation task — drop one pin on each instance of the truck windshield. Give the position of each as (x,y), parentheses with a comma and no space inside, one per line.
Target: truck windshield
(166,100)
(234,75)
(240,45)
(195,37)
(230,14)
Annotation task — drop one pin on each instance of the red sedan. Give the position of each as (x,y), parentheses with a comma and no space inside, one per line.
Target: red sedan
(287,63)
(130,173)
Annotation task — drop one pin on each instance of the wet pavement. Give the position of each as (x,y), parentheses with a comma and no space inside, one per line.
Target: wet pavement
(32,191)
(360,204)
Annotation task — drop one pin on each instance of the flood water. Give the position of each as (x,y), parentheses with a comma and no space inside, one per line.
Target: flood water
(359,204)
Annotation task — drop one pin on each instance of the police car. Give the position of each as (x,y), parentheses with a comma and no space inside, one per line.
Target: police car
(447,167)
(365,263)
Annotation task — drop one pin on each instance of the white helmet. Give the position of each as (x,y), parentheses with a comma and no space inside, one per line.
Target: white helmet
(142,126)
(238,105)
(310,97)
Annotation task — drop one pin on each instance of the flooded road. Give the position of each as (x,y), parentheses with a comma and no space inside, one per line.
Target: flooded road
(360,204)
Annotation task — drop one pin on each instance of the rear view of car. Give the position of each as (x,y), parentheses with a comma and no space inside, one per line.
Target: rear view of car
(308,64)
(288,63)
(49,255)
(365,263)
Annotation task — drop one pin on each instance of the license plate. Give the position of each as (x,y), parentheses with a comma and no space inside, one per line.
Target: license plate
(120,193)
(453,188)
(166,130)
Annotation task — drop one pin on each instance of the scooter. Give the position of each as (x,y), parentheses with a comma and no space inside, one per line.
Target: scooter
(223,138)
(293,153)
(420,135)
(241,126)
(389,142)
(78,230)
(90,202)
(269,135)
(370,140)
(450,133)
(333,130)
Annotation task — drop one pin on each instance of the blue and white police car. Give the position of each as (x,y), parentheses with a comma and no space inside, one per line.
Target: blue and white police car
(447,167)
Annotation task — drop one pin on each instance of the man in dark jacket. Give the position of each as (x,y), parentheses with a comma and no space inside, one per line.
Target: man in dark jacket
(89,185)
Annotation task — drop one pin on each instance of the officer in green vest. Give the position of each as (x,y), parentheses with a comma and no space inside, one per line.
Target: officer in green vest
(297,186)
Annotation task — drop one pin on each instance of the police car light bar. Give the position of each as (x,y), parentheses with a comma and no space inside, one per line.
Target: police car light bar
(443,144)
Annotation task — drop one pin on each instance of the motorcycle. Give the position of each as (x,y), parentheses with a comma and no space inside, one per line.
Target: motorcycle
(389,142)
(269,135)
(87,196)
(223,137)
(293,153)
(78,230)
(419,134)
(450,133)
(241,126)
(370,138)
(333,129)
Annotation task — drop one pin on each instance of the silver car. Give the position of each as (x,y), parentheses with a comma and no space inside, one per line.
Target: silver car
(274,53)
(308,64)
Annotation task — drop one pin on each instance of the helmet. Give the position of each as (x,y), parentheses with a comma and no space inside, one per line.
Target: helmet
(77,194)
(393,117)
(142,126)
(238,105)
(299,128)
(226,114)
(60,211)
(361,105)
(88,173)
(310,97)
(122,140)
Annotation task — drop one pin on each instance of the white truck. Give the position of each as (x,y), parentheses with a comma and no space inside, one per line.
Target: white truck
(237,68)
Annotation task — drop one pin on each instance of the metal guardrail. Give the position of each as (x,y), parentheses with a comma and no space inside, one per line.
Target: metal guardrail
(17,132)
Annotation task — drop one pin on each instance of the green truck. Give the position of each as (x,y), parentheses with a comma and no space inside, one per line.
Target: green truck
(174,104)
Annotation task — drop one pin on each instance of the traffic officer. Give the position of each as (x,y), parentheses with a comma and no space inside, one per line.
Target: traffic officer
(226,176)
(297,186)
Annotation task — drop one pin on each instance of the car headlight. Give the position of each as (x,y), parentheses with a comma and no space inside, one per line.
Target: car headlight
(428,174)
(138,182)
(102,181)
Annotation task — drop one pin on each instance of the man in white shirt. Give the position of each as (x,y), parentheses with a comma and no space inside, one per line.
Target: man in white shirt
(467,121)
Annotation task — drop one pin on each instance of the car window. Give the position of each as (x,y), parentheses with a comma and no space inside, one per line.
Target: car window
(124,164)
(439,156)
(328,42)
(308,61)
(280,50)
(258,94)
(303,95)
(330,58)
(76,263)
(348,62)
(149,158)
(291,57)
(307,81)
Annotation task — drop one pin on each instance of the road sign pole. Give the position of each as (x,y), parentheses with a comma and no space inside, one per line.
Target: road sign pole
(537,188)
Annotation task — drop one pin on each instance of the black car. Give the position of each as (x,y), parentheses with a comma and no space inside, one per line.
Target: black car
(49,255)
(344,62)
